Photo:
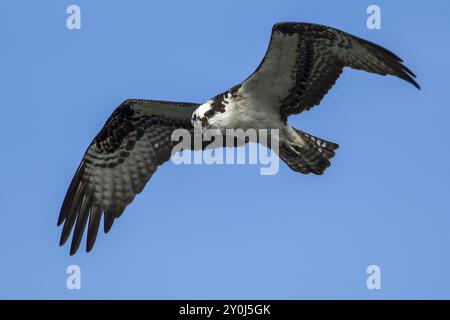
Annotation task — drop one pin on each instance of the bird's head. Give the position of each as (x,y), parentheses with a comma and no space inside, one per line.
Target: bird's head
(200,117)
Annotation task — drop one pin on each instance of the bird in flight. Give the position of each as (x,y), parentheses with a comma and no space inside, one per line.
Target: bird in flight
(302,62)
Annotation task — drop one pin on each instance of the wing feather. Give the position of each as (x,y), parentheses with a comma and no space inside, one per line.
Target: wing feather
(118,164)
(304,61)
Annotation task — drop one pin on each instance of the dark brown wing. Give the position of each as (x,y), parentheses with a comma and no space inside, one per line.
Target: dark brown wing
(304,60)
(118,163)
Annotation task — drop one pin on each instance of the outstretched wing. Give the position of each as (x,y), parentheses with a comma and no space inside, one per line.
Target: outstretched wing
(118,163)
(304,60)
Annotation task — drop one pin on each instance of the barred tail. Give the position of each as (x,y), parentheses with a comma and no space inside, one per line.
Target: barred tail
(313,157)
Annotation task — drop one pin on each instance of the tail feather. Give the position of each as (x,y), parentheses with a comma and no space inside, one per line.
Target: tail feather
(313,157)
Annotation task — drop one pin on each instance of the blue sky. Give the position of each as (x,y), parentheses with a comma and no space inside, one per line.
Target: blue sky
(225,231)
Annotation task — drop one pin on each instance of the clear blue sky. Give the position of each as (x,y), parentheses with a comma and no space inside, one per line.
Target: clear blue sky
(225,231)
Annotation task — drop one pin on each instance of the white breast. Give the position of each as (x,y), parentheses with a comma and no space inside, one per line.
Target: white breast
(241,111)
(254,113)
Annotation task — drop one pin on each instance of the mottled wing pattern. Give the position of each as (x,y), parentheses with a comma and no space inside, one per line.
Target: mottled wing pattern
(304,60)
(118,163)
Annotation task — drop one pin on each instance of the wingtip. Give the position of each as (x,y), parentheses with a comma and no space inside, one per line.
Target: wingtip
(108,222)
(415,84)
(74,247)
(412,80)
(63,239)
(408,76)
(61,242)
(61,219)
(89,246)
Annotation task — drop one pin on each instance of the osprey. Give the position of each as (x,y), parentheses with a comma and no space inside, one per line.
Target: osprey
(302,62)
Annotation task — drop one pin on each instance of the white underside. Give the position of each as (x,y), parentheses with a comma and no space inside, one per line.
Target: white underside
(256,103)
(244,112)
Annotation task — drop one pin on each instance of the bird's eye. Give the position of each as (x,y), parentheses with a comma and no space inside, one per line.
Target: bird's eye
(204,120)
